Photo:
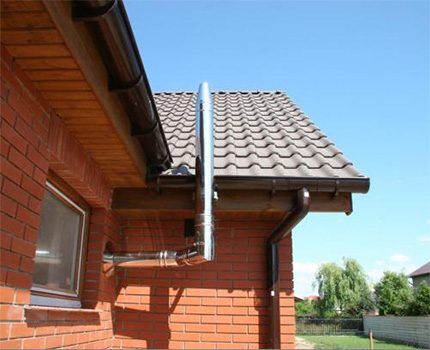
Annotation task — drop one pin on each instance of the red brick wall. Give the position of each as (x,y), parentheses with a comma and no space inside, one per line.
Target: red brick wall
(223,304)
(34,140)
(217,305)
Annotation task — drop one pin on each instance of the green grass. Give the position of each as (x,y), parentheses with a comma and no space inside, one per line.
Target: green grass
(350,342)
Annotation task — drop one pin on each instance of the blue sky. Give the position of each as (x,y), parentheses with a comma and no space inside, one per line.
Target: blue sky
(360,69)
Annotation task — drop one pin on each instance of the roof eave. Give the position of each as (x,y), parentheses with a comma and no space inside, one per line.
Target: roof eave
(313,184)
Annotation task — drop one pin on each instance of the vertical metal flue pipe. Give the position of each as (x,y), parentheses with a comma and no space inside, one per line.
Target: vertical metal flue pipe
(284,228)
(204,222)
(203,249)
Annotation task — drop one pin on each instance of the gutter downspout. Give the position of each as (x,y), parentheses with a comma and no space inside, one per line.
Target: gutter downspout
(283,229)
(203,249)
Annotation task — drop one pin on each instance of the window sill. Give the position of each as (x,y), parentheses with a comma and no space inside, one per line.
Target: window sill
(60,309)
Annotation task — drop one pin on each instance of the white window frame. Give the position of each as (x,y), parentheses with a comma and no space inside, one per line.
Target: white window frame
(52,297)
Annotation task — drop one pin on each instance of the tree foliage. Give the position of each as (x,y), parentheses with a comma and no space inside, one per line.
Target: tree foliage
(420,304)
(306,308)
(393,294)
(343,289)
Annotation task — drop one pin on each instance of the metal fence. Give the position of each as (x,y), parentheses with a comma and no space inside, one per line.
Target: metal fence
(329,326)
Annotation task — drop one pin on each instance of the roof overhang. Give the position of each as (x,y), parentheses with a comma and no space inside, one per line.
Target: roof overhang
(266,198)
(61,58)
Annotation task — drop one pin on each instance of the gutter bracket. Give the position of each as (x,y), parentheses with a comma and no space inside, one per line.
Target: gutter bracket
(273,190)
(88,16)
(336,189)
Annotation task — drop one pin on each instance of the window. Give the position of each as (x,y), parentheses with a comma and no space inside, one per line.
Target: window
(59,250)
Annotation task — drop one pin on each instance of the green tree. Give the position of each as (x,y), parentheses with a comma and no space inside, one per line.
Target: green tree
(393,294)
(305,308)
(420,304)
(358,297)
(343,290)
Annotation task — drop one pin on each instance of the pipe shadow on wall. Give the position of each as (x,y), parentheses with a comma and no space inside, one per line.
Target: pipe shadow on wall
(225,301)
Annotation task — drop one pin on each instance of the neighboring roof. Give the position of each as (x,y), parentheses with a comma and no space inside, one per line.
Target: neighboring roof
(257,134)
(423,270)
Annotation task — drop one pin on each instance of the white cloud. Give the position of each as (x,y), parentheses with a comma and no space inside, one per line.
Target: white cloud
(375,274)
(304,276)
(306,267)
(424,239)
(399,258)
(402,265)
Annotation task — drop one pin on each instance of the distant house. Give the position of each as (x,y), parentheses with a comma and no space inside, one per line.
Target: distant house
(312,298)
(421,274)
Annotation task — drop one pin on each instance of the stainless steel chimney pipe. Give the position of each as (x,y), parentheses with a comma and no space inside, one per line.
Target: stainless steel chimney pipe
(203,249)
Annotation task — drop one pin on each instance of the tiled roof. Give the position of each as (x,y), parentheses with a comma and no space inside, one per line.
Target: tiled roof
(423,270)
(256,134)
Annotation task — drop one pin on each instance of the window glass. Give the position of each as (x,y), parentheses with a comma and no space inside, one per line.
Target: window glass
(58,250)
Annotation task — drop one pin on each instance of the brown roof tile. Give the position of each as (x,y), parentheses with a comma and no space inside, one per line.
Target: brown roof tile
(256,134)
(423,270)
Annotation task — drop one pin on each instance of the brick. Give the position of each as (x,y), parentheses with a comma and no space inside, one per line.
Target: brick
(217,301)
(232,346)
(39,176)
(185,336)
(31,234)
(22,296)
(33,343)
(33,187)
(26,265)
(4,147)
(28,217)
(21,109)
(8,205)
(15,192)
(7,113)
(25,131)
(23,247)
(3,275)
(231,328)
(4,91)
(19,279)
(10,313)
(4,330)
(200,328)
(224,310)
(20,161)
(5,240)
(10,171)
(35,205)
(245,320)
(201,310)
(15,139)
(200,292)
(198,345)
(217,319)
(217,337)
(9,259)
(11,344)
(12,225)
(38,159)
(21,330)
(54,341)
(70,339)
(184,318)
(246,338)
(7,295)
